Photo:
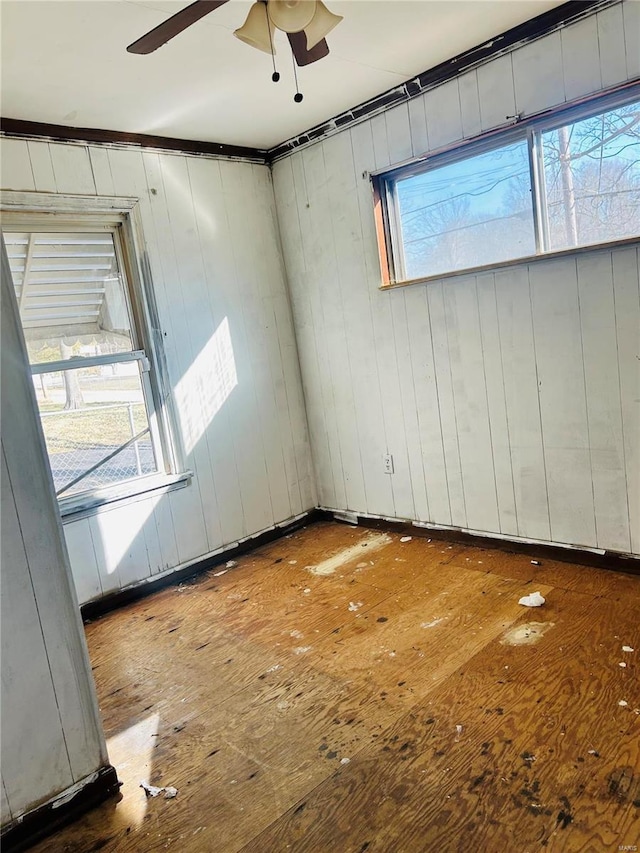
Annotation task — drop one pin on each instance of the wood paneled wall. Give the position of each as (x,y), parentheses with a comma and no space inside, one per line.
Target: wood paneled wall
(214,253)
(508,399)
(51,733)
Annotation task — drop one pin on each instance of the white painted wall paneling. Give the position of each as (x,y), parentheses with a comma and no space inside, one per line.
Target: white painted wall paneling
(496,394)
(51,732)
(213,248)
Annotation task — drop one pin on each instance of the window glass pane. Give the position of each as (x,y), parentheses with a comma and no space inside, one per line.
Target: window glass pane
(592,177)
(472,212)
(71,295)
(87,414)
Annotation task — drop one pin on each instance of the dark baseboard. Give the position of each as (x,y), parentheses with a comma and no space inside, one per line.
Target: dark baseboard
(608,560)
(43,820)
(94,609)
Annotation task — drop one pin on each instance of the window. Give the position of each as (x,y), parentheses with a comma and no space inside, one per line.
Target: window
(467,213)
(591,179)
(84,328)
(554,185)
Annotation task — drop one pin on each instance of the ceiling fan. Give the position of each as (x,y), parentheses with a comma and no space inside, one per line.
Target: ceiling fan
(306,23)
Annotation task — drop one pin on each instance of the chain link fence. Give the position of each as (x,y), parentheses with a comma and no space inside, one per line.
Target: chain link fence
(78,440)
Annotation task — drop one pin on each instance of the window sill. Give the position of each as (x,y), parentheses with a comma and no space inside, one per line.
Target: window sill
(73,509)
(515,262)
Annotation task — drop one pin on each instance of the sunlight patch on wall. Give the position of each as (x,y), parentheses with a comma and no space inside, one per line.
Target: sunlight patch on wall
(206,386)
(118,531)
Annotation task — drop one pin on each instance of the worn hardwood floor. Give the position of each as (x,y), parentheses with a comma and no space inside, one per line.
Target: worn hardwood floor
(342,690)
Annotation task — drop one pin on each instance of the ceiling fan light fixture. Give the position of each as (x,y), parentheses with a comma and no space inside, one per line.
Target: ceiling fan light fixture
(291,16)
(256,29)
(321,24)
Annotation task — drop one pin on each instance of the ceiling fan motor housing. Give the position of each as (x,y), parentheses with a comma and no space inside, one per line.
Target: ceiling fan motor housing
(291,16)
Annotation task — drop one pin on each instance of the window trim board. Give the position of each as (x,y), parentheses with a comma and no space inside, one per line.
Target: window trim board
(515,262)
(139,489)
(62,212)
(76,362)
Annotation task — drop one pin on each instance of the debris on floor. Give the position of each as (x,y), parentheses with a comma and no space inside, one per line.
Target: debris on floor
(433,623)
(536,563)
(152,791)
(217,574)
(526,635)
(622,664)
(623,703)
(345,760)
(405,538)
(627,649)
(355,605)
(373,542)
(532,600)
(231,564)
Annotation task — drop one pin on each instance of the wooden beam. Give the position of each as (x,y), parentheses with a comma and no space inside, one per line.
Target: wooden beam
(63,133)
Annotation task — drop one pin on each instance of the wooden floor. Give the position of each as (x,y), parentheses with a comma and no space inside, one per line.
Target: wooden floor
(341,690)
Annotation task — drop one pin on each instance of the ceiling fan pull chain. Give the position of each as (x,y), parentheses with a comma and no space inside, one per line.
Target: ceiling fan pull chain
(276,74)
(298,95)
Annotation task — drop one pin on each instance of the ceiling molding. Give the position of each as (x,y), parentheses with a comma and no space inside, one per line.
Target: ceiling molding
(62,133)
(535,28)
(541,25)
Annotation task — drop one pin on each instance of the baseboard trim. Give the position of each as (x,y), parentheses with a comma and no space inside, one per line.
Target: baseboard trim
(112,601)
(585,557)
(68,806)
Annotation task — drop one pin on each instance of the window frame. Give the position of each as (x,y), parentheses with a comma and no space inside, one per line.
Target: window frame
(50,213)
(384,181)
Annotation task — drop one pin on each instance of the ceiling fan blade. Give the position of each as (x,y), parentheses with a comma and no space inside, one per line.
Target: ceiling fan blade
(165,31)
(298,42)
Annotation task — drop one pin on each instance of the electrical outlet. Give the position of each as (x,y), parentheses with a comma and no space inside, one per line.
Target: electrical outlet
(387,462)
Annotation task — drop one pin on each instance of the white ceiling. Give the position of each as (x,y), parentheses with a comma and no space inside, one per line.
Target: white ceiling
(65,62)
